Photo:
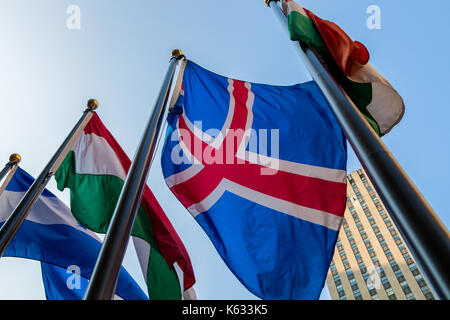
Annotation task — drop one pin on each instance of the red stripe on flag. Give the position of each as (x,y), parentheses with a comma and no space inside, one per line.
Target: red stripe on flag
(169,243)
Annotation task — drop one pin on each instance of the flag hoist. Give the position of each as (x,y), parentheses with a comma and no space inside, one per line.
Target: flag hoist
(103,281)
(419,224)
(15,220)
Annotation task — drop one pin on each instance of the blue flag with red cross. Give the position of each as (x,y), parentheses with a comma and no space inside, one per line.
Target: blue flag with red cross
(262,169)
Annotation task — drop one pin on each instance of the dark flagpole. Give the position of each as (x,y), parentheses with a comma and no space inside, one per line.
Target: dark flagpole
(14,160)
(427,237)
(104,277)
(14,221)
(10,167)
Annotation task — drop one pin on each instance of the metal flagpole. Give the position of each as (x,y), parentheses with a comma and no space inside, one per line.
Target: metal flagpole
(424,232)
(14,159)
(14,221)
(11,166)
(104,277)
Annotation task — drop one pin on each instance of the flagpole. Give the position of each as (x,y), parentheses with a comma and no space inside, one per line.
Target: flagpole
(11,166)
(14,160)
(104,277)
(19,214)
(427,237)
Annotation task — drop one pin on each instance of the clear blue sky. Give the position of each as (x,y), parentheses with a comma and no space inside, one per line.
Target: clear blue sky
(120,55)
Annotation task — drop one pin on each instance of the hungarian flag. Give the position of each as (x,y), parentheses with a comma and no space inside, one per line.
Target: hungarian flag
(347,61)
(95,171)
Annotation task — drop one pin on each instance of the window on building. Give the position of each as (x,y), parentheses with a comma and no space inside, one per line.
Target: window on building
(412,266)
(429,296)
(406,290)
(410,296)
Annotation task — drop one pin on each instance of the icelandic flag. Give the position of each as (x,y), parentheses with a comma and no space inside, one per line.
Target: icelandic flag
(51,234)
(263,170)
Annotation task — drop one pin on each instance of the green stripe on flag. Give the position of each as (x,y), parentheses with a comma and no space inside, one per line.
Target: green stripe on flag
(93,199)
(301,28)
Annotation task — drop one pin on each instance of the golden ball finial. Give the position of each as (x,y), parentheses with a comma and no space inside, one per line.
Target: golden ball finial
(15,157)
(177,53)
(92,104)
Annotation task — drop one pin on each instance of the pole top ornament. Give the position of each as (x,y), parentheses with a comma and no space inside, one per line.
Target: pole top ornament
(267,2)
(15,157)
(92,104)
(177,53)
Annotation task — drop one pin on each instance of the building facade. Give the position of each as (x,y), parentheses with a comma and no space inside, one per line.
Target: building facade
(371,259)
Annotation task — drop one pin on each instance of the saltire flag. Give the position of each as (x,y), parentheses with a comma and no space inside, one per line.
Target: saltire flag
(51,234)
(95,171)
(347,60)
(262,169)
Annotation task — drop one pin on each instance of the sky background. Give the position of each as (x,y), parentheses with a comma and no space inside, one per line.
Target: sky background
(120,55)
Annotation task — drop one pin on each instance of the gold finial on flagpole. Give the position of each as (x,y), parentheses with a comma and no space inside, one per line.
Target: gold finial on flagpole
(15,157)
(177,53)
(92,104)
(267,2)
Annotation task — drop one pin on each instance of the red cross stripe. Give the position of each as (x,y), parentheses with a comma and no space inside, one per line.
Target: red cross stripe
(288,192)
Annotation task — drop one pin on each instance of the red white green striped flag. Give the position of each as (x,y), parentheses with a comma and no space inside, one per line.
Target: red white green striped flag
(95,170)
(348,61)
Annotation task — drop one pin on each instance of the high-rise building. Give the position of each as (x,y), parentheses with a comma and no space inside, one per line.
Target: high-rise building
(371,259)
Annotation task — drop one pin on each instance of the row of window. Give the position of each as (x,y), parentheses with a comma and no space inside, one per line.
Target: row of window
(408,259)
(337,281)
(350,275)
(386,284)
(405,287)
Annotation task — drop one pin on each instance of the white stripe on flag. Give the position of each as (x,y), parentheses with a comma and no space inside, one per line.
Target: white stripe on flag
(94,155)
